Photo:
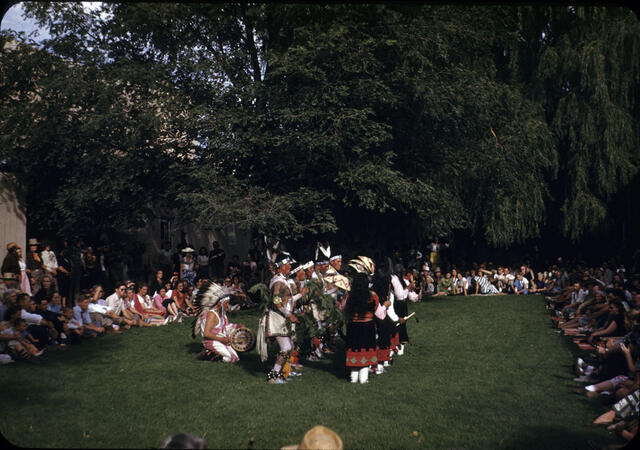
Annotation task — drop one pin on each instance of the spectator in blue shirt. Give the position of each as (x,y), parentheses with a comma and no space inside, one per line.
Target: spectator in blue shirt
(81,315)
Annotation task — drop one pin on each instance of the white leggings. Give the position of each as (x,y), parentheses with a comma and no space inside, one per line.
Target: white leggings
(285,343)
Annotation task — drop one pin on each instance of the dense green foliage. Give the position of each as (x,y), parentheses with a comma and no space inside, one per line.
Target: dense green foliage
(279,118)
(480,372)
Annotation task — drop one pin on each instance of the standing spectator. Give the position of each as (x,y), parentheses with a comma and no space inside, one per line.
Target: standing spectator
(233,268)
(202,261)
(77,270)
(64,277)
(216,260)
(164,258)
(103,278)
(25,285)
(50,263)
(11,260)
(398,263)
(34,265)
(188,266)
(91,273)
(249,270)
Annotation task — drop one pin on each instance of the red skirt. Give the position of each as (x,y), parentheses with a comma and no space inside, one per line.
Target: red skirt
(384,355)
(362,350)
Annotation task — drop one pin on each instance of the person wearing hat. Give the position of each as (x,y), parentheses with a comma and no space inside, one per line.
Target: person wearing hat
(188,266)
(34,265)
(11,263)
(277,321)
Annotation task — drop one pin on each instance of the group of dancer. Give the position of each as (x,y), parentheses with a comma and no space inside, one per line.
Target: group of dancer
(306,306)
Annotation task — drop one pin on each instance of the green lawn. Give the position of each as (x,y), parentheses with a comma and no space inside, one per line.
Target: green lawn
(481,372)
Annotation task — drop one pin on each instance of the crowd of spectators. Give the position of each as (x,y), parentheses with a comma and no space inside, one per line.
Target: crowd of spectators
(599,310)
(54,299)
(50,300)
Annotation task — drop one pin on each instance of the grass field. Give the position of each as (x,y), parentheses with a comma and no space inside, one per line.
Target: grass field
(480,372)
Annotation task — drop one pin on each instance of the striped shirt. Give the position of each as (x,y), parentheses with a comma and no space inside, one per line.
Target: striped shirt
(484,284)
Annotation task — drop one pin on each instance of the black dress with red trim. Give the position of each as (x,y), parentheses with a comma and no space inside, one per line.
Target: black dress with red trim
(362,349)
(384,328)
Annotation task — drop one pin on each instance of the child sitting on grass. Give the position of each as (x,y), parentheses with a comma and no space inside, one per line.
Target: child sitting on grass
(22,344)
(72,328)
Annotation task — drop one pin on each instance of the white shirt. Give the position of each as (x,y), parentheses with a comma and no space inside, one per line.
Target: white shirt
(49,260)
(95,308)
(115,303)
(399,289)
(30,318)
(391,312)
(146,301)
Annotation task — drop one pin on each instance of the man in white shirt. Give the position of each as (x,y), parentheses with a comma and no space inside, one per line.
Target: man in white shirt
(403,291)
(43,330)
(116,305)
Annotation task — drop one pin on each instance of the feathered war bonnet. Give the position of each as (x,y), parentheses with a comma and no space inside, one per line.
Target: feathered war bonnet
(209,295)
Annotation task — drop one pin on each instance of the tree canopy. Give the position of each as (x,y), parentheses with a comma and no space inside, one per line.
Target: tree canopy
(300,119)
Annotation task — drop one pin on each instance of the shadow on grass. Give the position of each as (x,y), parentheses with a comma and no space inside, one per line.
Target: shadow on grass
(556,438)
(249,361)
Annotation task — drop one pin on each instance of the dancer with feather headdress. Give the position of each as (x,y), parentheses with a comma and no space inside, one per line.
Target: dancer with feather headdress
(211,321)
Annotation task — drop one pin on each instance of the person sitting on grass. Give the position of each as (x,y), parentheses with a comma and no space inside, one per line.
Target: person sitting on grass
(614,323)
(101,314)
(116,303)
(81,315)
(163,300)
(461,285)
(571,295)
(519,287)
(577,298)
(42,308)
(483,285)
(151,316)
(43,330)
(129,311)
(626,410)
(72,328)
(586,316)
(539,286)
(55,305)
(445,286)
(181,298)
(618,357)
(20,344)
